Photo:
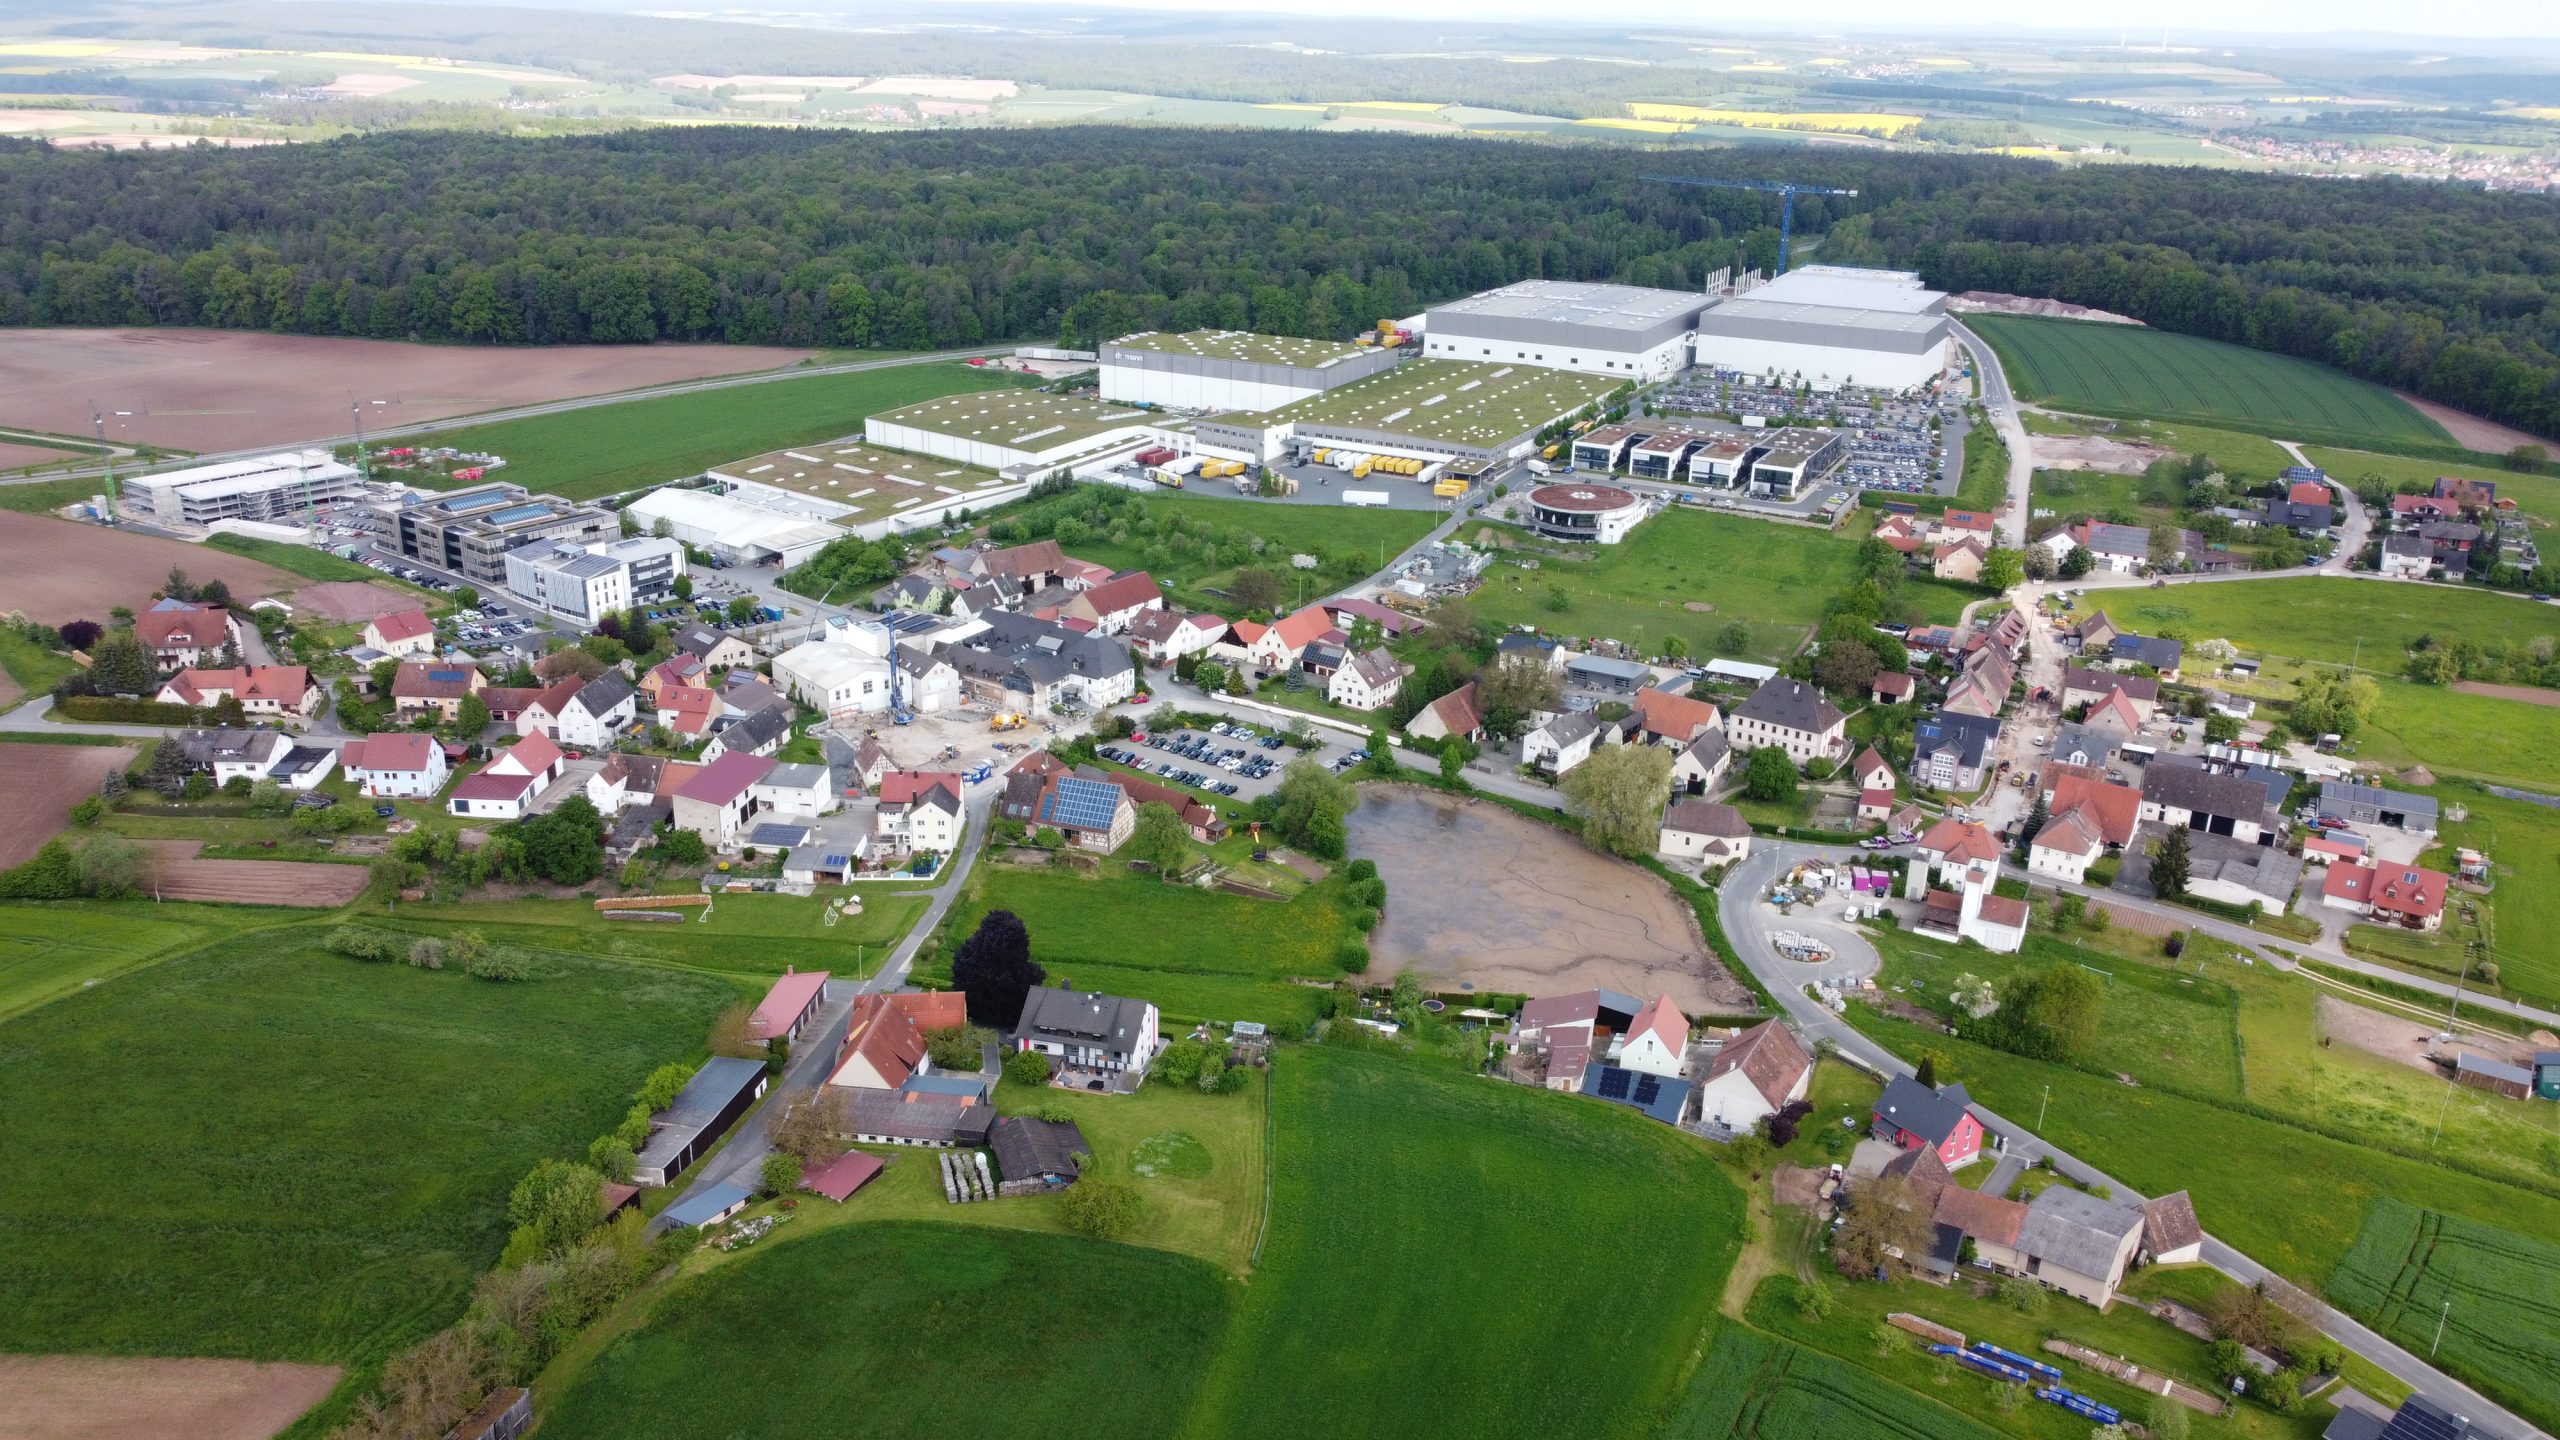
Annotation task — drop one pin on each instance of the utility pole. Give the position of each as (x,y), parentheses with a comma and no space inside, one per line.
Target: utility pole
(2441,1316)
(2040,1107)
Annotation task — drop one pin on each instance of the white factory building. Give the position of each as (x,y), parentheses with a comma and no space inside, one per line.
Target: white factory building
(1622,330)
(1834,323)
(269,488)
(587,582)
(847,672)
(1231,369)
(750,525)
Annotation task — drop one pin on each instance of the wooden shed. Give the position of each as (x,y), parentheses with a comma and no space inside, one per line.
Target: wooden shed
(2482,1073)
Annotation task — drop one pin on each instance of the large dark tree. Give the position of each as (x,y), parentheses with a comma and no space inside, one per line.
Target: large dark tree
(994,968)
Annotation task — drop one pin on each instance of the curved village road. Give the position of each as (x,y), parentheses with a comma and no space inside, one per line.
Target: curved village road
(2002,406)
(1747,922)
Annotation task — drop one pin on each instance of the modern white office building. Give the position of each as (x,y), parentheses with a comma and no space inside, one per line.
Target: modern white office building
(587,582)
(279,487)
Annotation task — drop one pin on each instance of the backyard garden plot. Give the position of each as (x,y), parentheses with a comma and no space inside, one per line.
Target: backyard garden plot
(934,1332)
(264,1150)
(1400,1184)
(870,482)
(1197,954)
(603,449)
(2490,1289)
(1758,1387)
(2130,370)
(1691,574)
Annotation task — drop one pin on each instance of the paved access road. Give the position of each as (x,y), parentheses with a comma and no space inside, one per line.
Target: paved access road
(1747,922)
(2002,406)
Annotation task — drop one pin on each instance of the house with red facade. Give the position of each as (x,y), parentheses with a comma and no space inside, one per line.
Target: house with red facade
(1915,1117)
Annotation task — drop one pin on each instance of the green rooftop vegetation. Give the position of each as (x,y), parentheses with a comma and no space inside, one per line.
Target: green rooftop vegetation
(1454,402)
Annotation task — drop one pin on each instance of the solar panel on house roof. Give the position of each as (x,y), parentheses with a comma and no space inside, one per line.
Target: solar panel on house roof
(1613,1084)
(1648,1089)
(1084,804)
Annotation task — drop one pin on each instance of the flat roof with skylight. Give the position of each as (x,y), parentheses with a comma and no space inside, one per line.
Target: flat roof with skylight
(1244,347)
(860,482)
(1471,405)
(1015,419)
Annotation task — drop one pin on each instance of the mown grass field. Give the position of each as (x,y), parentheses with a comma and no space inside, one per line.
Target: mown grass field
(603,449)
(2537,495)
(2488,1287)
(745,935)
(2452,732)
(2324,617)
(1438,1247)
(1754,1386)
(936,1332)
(264,1150)
(1199,955)
(302,560)
(2130,370)
(2290,1197)
(48,951)
(1774,579)
(2522,841)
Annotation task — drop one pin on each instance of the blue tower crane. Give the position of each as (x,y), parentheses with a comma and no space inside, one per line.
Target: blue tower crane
(1785,190)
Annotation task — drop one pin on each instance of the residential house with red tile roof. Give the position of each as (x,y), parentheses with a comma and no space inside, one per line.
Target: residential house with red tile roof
(1452,716)
(1971,522)
(2401,895)
(1754,1076)
(1277,647)
(277,690)
(2088,818)
(1892,687)
(180,634)
(408,632)
(1112,606)
(1870,771)
(434,687)
(790,1004)
(919,810)
(688,710)
(541,714)
(1658,718)
(884,1040)
(1658,1042)
(395,767)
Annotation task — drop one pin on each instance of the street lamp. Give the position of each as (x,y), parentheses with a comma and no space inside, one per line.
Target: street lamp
(2040,1107)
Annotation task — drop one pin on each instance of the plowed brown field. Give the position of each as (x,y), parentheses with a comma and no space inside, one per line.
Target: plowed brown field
(179,875)
(58,570)
(38,786)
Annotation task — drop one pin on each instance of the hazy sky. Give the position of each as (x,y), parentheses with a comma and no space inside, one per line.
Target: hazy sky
(2305,20)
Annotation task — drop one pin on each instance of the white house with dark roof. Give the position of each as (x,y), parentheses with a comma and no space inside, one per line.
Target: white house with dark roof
(601,710)
(1562,742)
(1087,1030)
(1367,681)
(1794,717)
(1701,764)
(795,792)
(1705,832)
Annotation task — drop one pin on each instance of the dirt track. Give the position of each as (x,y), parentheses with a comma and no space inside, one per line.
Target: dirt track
(38,786)
(179,875)
(1480,895)
(57,571)
(213,390)
(90,1397)
(347,602)
(2529,694)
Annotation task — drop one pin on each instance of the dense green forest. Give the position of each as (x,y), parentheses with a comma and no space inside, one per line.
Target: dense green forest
(944,239)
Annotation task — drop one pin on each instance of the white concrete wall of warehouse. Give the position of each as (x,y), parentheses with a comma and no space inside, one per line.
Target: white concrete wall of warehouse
(988,455)
(1879,369)
(1658,363)
(1129,385)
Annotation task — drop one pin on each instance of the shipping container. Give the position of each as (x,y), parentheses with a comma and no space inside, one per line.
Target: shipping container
(1449,489)
(1156,456)
(1364,497)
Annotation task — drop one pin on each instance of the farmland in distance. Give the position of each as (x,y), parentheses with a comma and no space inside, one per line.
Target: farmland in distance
(2490,1289)
(2126,370)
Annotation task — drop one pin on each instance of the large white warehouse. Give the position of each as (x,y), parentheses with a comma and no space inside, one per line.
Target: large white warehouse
(1877,328)
(1231,369)
(751,525)
(270,487)
(1000,428)
(1621,330)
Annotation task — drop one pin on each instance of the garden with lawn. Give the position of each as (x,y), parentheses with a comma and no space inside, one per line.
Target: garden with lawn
(1692,574)
(262,1149)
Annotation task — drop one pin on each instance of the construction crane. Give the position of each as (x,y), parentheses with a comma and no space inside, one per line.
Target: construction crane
(1785,190)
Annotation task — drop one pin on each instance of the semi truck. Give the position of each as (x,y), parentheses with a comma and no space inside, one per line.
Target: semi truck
(1364,497)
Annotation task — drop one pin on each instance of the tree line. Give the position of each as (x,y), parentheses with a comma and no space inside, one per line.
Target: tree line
(1079,233)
